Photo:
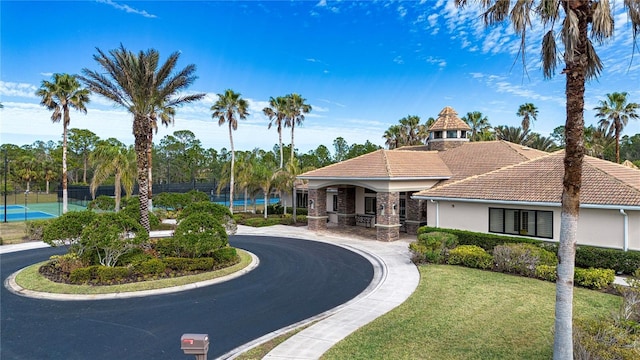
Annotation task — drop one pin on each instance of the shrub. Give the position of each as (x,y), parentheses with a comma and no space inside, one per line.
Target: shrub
(521,258)
(470,256)
(594,278)
(219,212)
(150,267)
(168,200)
(547,272)
(83,275)
(189,264)
(67,263)
(35,229)
(199,234)
(260,222)
(108,237)
(131,208)
(67,229)
(485,241)
(436,246)
(102,202)
(109,274)
(225,255)
(620,261)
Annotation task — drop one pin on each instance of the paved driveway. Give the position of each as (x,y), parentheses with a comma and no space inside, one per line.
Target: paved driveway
(294,281)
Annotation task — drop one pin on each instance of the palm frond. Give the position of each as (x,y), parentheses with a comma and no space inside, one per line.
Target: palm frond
(570,35)
(602,24)
(549,54)
(594,64)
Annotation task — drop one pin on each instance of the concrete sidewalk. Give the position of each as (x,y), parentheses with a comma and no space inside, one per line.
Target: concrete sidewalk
(395,279)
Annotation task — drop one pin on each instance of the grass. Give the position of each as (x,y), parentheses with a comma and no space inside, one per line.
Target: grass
(12,232)
(29,278)
(461,313)
(262,350)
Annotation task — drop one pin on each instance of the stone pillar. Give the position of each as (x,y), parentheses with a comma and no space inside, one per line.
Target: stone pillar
(317,207)
(412,221)
(388,218)
(347,206)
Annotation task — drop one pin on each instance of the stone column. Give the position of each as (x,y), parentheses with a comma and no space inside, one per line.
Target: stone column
(412,221)
(317,216)
(387,216)
(347,206)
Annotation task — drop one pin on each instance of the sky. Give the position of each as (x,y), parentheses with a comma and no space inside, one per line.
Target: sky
(361,65)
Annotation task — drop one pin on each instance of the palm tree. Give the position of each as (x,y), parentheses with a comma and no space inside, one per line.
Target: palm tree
(296,108)
(614,113)
(527,112)
(394,137)
(537,141)
(118,161)
(141,85)
(411,129)
(277,113)
(59,95)
(581,62)
(229,108)
(512,134)
(478,124)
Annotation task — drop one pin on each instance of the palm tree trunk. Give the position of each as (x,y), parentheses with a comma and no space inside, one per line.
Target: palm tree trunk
(618,131)
(233,159)
(574,154)
(117,190)
(141,134)
(294,199)
(245,199)
(150,161)
(65,199)
(281,150)
(266,203)
(84,168)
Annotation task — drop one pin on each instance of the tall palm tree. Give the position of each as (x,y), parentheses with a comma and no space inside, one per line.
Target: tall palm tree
(230,108)
(583,20)
(411,129)
(478,124)
(512,134)
(296,108)
(143,86)
(277,113)
(614,114)
(527,112)
(118,161)
(59,95)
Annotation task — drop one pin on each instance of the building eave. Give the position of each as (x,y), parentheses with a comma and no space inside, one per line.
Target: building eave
(341,178)
(527,203)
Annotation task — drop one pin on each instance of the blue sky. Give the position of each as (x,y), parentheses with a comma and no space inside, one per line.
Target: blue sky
(361,65)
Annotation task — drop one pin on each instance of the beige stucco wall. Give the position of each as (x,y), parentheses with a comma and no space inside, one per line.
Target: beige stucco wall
(596,227)
(376,185)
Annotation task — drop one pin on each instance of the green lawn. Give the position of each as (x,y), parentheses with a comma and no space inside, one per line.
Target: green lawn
(461,313)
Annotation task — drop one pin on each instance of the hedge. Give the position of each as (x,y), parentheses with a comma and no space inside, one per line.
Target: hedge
(622,262)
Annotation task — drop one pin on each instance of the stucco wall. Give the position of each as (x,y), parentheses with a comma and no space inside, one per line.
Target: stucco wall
(596,227)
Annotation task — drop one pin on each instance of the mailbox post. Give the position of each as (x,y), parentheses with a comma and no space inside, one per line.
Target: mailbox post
(195,344)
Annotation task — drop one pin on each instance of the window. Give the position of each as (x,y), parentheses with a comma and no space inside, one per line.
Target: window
(521,222)
(370,205)
(403,208)
(335,202)
(463,134)
(302,199)
(452,134)
(437,134)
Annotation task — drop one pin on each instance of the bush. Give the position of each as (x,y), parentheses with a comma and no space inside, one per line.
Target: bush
(111,275)
(521,258)
(220,212)
(604,339)
(225,255)
(594,278)
(67,263)
(150,267)
(83,275)
(470,256)
(620,261)
(547,272)
(102,202)
(131,208)
(260,222)
(67,229)
(433,247)
(199,234)
(189,264)
(35,229)
(108,237)
(485,241)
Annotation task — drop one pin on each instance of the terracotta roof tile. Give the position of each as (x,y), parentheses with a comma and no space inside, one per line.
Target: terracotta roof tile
(540,180)
(448,120)
(386,164)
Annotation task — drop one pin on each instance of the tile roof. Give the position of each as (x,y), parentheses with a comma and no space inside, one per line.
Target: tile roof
(448,120)
(475,158)
(385,164)
(540,180)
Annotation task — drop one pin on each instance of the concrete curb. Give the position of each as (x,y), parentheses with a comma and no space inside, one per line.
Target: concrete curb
(13,287)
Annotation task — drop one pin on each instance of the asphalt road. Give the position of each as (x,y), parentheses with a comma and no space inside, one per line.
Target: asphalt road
(295,280)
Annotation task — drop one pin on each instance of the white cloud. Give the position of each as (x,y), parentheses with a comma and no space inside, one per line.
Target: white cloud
(127,8)
(18,89)
(398,60)
(402,11)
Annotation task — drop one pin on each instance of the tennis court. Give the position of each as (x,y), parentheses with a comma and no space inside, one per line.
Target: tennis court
(36,211)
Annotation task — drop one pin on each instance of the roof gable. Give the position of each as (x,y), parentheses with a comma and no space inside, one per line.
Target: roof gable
(448,120)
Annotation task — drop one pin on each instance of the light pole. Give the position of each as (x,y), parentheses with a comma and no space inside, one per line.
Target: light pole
(25,204)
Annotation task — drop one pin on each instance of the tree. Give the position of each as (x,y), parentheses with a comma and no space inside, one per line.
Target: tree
(296,108)
(614,113)
(581,62)
(478,124)
(118,161)
(512,134)
(82,141)
(141,85)
(61,94)
(393,137)
(341,148)
(558,136)
(229,108)
(166,115)
(277,113)
(413,132)
(527,112)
